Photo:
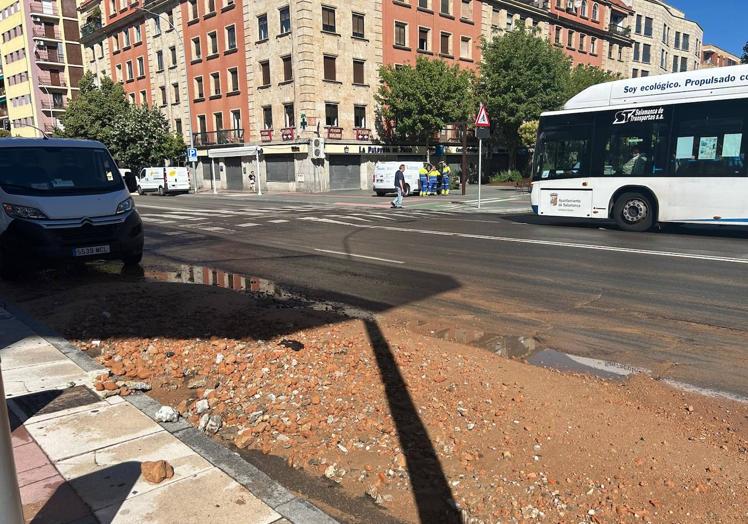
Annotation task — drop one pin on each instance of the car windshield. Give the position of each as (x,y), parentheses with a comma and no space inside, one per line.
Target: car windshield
(58,171)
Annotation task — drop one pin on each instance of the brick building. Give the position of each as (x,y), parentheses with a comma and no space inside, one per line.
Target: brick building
(713,56)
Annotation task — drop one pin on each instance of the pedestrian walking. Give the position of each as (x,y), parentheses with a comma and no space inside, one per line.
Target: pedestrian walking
(399,187)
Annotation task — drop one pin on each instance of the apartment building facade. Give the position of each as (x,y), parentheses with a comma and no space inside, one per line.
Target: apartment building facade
(41,61)
(4,122)
(713,56)
(665,41)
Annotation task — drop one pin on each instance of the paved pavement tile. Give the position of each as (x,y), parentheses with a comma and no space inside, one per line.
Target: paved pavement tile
(31,476)
(22,381)
(210,496)
(31,351)
(60,505)
(29,456)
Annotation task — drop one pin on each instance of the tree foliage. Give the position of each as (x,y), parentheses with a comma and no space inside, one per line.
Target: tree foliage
(4,133)
(744,59)
(583,76)
(416,102)
(528,133)
(136,136)
(522,75)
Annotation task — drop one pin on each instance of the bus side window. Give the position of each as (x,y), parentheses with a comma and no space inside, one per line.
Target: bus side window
(638,150)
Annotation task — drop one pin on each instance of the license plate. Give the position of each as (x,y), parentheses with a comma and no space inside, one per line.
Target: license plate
(88,251)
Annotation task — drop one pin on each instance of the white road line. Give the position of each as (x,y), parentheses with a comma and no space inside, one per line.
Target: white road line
(153,220)
(348,217)
(360,256)
(183,217)
(279,221)
(572,245)
(383,217)
(175,233)
(217,229)
(247,224)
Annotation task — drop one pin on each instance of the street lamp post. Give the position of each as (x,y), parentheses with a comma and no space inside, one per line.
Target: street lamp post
(184,56)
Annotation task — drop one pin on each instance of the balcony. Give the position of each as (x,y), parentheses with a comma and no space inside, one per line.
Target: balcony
(49,82)
(540,4)
(266,135)
(334,133)
(46,33)
(46,9)
(288,134)
(90,28)
(219,138)
(362,135)
(50,58)
(52,105)
(620,30)
(3,112)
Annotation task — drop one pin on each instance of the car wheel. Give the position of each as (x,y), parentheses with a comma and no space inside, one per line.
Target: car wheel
(406,187)
(161,191)
(140,191)
(133,259)
(634,212)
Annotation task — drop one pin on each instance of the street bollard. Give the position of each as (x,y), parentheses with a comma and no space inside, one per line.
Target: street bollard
(11,511)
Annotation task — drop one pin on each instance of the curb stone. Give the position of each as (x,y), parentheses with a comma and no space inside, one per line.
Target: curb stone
(272,493)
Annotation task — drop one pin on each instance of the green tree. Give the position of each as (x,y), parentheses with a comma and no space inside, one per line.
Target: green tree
(416,102)
(528,133)
(744,60)
(522,75)
(4,133)
(91,115)
(584,76)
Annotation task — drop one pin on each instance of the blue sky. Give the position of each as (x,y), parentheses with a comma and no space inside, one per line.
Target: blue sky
(725,22)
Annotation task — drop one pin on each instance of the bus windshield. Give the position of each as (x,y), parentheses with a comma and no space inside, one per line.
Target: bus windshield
(52,171)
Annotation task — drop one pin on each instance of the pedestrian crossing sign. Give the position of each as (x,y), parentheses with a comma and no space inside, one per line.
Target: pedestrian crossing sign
(482,119)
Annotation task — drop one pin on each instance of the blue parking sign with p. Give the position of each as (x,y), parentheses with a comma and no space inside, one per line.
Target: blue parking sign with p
(191,154)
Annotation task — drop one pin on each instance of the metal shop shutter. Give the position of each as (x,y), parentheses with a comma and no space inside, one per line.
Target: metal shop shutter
(280,168)
(233,168)
(345,172)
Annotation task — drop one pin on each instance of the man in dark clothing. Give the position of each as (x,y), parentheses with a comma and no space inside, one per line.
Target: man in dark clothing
(399,187)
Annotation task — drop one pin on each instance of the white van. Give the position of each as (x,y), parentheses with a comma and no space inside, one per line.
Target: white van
(63,200)
(384,177)
(164,180)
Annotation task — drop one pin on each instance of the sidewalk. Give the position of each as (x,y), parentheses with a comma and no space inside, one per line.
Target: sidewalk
(78,456)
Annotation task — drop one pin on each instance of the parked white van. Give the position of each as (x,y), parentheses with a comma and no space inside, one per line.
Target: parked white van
(164,180)
(63,200)
(384,177)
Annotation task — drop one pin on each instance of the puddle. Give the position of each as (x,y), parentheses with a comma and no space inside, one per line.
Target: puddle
(550,358)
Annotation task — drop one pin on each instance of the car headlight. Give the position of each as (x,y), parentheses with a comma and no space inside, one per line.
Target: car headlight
(125,206)
(29,213)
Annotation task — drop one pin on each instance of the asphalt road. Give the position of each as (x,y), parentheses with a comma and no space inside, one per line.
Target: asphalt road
(673,301)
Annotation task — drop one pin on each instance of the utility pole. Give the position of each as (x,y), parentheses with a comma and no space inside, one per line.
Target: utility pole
(464,174)
(482,130)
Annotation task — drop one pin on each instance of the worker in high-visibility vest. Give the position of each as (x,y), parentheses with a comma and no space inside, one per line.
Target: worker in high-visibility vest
(446,174)
(423,180)
(433,180)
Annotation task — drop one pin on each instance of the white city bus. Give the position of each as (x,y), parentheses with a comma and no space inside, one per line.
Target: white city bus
(668,148)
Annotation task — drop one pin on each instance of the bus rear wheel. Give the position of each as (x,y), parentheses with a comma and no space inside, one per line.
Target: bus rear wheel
(634,212)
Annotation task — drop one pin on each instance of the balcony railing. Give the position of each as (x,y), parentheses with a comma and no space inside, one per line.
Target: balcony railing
(56,58)
(288,133)
(38,8)
(266,135)
(218,138)
(334,133)
(51,104)
(620,30)
(541,4)
(48,82)
(43,32)
(91,27)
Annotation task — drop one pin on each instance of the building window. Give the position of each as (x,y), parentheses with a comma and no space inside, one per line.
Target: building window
(677,40)
(423,4)
(446,7)
(118,71)
(558,35)
(330,72)
(663,59)
(644,73)
(331,115)
(210,6)
(638,24)
(143,98)
(289,115)
(635,73)
(285,20)
(287,68)
(132,98)
(401,34)
(328,19)
(358,72)
(664,34)
(199,92)
(620,53)
(138,34)
(218,121)
(466,47)
(196,49)
(596,12)
(647,54)
(156,26)
(583,11)
(230,38)
(582,42)
(141,67)
(236,119)
(213,43)
(170,16)
(593,45)
(675,64)
(358,25)
(611,48)
(178,126)
(359,117)
(445,46)
(215,84)
(569,38)
(159,60)
(265,73)
(262,27)
(424,39)
(648,26)
(233,80)
(202,125)
(466,12)
(637,55)
(173,53)
(686,42)
(267,117)
(126,38)
(175,93)
(129,70)
(162,91)
(683,63)
(194,14)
